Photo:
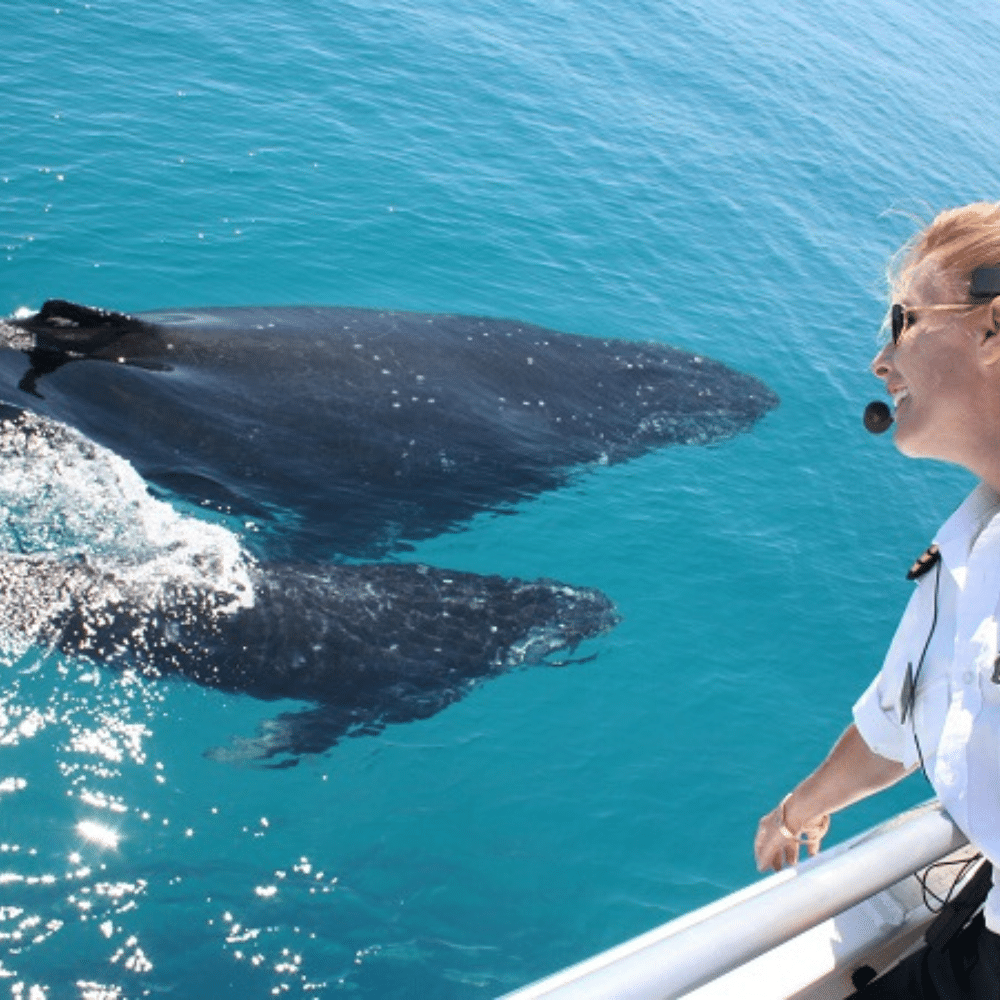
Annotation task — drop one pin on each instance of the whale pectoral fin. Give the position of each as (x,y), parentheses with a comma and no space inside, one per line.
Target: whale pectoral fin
(43,362)
(292,734)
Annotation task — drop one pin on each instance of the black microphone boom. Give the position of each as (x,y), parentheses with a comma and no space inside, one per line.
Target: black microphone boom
(878,418)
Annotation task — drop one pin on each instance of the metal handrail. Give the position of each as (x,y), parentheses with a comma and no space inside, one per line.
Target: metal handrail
(681,955)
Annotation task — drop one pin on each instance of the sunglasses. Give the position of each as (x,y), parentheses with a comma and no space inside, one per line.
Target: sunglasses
(903,317)
(985,284)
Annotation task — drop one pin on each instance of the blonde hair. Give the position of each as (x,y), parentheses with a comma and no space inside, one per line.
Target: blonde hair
(959,239)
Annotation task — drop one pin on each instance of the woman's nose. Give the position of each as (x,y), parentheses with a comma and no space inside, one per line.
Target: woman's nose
(880,363)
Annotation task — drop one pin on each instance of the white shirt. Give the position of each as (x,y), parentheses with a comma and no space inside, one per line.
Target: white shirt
(956,716)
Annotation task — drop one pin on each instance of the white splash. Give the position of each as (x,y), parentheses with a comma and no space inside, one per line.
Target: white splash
(65,498)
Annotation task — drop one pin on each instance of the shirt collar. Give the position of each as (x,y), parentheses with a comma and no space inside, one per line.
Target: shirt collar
(959,534)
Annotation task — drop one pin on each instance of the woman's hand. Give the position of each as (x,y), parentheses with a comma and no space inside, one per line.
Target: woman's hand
(777,844)
(850,772)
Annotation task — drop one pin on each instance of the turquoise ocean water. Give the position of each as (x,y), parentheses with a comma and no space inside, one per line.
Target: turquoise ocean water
(729,177)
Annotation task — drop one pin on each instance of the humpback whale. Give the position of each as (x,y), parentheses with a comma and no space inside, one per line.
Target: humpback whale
(170,596)
(365,645)
(355,433)
(417,421)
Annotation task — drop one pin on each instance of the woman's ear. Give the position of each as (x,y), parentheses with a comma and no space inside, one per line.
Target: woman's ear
(991,338)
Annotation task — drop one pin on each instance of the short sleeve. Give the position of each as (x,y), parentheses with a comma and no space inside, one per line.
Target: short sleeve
(877,719)
(878,712)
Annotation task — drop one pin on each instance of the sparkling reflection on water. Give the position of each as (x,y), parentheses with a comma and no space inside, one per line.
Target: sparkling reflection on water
(97,844)
(82,887)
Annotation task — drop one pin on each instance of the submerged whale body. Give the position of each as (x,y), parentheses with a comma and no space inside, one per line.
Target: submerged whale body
(366,645)
(416,421)
(118,578)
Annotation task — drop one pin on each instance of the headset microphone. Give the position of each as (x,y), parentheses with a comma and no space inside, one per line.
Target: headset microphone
(878,418)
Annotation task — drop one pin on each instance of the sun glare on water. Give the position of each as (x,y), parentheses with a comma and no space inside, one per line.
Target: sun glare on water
(98,834)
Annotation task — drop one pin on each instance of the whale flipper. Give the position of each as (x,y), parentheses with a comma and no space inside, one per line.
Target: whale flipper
(291,735)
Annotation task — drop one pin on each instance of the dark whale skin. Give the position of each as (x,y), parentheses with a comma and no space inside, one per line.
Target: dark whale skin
(362,430)
(367,645)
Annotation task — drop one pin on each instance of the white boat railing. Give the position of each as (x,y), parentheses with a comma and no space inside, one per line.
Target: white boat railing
(700,947)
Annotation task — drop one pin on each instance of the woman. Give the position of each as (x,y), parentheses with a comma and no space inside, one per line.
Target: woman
(936,702)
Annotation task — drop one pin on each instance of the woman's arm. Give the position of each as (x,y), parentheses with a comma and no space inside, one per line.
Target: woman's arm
(850,772)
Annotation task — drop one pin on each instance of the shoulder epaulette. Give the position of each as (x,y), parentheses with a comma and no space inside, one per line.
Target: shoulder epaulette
(925,563)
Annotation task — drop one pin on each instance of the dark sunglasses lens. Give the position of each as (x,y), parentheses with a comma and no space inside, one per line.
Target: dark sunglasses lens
(898,318)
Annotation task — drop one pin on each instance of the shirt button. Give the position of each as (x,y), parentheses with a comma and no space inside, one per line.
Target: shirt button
(967,677)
